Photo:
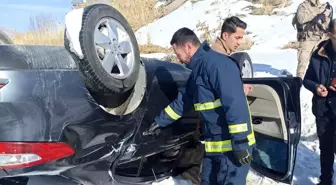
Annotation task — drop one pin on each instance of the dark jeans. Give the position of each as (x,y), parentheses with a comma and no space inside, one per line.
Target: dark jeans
(326,133)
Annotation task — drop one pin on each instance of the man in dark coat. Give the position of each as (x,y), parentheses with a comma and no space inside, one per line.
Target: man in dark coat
(320,79)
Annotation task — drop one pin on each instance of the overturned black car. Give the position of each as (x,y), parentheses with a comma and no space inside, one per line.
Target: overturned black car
(67,120)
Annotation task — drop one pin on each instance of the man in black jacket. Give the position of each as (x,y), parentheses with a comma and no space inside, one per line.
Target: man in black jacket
(320,79)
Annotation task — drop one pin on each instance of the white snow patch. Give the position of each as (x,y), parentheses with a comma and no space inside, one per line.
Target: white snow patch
(263,75)
(73,26)
(131,148)
(159,3)
(187,15)
(154,55)
(275,58)
(174,181)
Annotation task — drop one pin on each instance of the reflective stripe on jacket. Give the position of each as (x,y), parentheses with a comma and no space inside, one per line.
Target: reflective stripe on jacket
(215,89)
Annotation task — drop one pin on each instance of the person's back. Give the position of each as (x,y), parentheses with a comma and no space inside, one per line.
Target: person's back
(221,101)
(212,63)
(208,65)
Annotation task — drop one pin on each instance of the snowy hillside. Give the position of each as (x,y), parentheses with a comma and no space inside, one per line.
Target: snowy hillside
(270,34)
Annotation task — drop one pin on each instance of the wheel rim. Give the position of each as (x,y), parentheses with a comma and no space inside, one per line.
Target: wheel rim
(247,70)
(114,48)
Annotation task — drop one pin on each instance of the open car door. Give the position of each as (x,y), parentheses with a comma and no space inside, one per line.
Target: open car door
(276,117)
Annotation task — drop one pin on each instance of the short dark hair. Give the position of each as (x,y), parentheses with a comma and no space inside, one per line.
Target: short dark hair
(231,23)
(331,27)
(184,35)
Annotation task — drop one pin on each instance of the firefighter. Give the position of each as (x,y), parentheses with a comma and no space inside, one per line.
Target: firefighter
(214,89)
(232,33)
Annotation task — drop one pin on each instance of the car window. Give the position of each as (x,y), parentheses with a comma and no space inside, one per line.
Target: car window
(270,153)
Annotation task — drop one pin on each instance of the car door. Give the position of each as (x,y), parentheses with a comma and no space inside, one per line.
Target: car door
(276,117)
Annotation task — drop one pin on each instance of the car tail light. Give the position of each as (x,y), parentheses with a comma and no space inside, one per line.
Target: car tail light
(3,82)
(19,155)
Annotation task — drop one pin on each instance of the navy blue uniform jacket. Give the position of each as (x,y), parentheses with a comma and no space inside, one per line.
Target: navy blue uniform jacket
(319,72)
(215,89)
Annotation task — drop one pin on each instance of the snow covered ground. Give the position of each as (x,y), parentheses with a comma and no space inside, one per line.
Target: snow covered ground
(269,33)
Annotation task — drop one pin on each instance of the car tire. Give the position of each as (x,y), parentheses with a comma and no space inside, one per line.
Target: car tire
(245,63)
(4,38)
(125,55)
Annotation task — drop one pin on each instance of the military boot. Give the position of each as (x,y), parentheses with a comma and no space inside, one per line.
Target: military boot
(193,174)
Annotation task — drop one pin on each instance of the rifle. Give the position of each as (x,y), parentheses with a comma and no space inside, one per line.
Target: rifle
(302,30)
(323,20)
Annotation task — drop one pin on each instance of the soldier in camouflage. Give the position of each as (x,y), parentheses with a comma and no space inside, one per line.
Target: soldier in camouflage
(311,20)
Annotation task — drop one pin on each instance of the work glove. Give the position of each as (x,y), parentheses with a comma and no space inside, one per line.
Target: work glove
(154,129)
(243,156)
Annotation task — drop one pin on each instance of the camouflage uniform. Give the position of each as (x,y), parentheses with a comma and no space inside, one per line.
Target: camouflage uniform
(311,34)
(192,159)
